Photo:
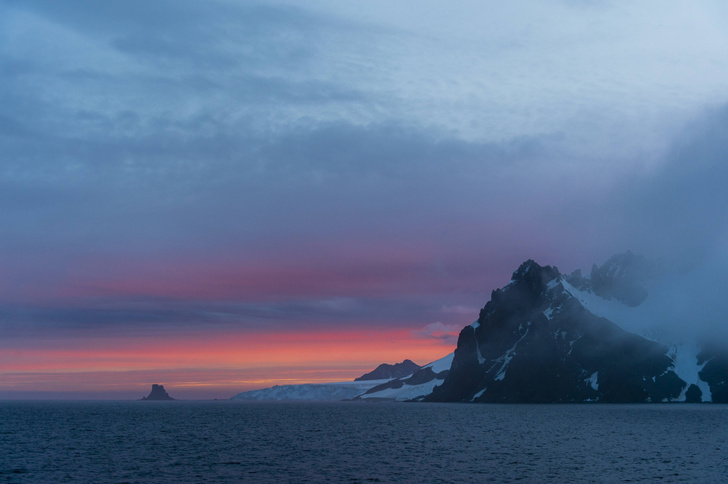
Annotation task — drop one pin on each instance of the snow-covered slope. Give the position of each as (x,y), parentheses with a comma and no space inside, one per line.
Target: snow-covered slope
(311,391)
(412,387)
(650,321)
(349,390)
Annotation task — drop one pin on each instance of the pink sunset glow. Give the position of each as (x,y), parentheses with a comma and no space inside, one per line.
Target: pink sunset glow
(217,365)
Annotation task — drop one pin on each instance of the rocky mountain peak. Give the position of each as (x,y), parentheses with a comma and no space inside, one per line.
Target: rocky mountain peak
(536,342)
(522,294)
(533,274)
(386,371)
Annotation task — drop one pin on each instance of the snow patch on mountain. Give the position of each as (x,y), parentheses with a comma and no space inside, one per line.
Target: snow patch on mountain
(593,380)
(405,392)
(444,363)
(685,357)
(630,319)
(649,321)
(507,357)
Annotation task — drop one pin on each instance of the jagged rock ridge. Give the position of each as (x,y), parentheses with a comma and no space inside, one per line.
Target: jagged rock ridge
(387,371)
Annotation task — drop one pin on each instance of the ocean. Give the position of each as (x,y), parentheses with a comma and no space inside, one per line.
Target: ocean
(353,442)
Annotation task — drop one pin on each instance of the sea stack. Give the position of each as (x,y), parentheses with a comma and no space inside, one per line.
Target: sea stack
(158,393)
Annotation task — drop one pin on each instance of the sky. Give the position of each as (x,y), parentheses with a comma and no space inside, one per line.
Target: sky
(221,196)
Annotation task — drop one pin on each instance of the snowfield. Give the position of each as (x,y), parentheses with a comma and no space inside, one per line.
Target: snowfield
(348,390)
(311,391)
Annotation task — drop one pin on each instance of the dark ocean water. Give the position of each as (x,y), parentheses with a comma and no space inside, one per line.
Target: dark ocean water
(180,442)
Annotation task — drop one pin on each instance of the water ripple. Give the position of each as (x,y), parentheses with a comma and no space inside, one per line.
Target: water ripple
(186,442)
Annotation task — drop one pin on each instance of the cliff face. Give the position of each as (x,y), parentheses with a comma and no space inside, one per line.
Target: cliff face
(158,393)
(535,342)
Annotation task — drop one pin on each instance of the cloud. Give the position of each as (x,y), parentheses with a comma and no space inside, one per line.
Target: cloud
(675,213)
(683,205)
(446,333)
(178,164)
(460,310)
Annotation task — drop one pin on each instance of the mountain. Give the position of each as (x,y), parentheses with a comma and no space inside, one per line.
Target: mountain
(541,338)
(334,391)
(386,371)
(548,337)
(158,393)
(411,387)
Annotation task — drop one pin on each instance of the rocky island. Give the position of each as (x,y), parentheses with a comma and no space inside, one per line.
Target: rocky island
(158,393)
